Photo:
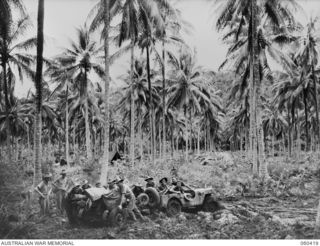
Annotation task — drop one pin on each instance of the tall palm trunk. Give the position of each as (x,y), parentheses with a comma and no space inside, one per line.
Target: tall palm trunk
(154,133)
(164,100)
(87,130)
(67,126)
(132,105)
(205,138)
(74,138)
(28,139)
(293,126)
(198,141)
(254,79)
(38,85)
(262,159)
(159,138)
(151,113)
(298,141)
(273,143)
(186,132)
(283,138)
(312,141)
(247,142)
(289,132)
(141,135)
(316,106)
(8,133)
(306,119)
(241,141)
(177,145)
(190,125)
(172,141)
(105,160)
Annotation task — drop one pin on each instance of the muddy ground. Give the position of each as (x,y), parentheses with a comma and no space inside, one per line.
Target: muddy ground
(263,218)
(284,209)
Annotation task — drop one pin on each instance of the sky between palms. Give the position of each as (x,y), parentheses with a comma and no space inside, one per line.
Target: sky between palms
(63,16)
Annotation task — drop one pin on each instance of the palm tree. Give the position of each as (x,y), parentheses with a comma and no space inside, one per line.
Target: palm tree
(169,35)
(140,87)
(254,14)
(129,30)
(12,55)
(188,88)
(38,85)
(79,62)
(291,90)
(103,12)
(145,41)
(18,119)
(273,123)
(307,56)
(58,73)
(138,15)
(104,166)
(6,7)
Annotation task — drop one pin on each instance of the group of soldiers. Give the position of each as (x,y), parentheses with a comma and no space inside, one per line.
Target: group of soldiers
(164,185)
(63,184)
(59,187)
(128,198)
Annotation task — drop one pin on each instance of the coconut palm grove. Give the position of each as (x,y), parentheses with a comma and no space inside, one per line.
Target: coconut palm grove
(168,148)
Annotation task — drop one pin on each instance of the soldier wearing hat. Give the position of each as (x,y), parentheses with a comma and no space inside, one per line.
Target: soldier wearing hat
(85,184)
(111,185)
(128,199)
(44,190)
(150,182)
(163,184)
(62,186)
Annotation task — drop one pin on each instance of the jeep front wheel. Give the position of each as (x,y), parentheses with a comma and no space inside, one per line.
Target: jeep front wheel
(154,197)
(173,207)
(142,200)
(117,217)
(210,205)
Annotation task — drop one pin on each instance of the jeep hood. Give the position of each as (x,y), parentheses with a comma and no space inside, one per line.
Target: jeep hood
(205,190)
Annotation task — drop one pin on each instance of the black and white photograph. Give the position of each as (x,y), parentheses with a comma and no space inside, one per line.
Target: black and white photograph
(159,119)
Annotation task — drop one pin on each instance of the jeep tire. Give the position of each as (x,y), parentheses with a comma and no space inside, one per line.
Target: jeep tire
(117,217)
(154,197)
(210,205)
(173,207)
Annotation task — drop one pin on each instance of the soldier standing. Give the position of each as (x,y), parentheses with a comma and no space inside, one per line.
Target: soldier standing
(62,185)
(44,190)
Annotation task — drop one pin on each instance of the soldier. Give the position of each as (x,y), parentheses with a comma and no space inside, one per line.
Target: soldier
(128,198)
(44,190)
(62,185)
(163,184)
(174,172)
(112,185)
(85,184)
(178,188)
(150,182)
(174,181)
